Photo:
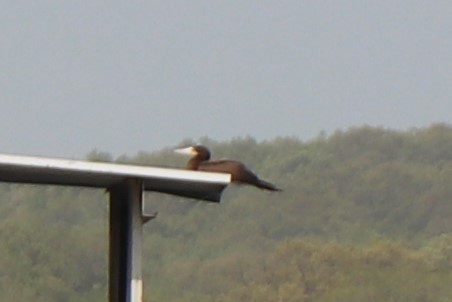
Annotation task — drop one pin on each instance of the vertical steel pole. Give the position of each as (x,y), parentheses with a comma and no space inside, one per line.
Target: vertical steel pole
(125,272)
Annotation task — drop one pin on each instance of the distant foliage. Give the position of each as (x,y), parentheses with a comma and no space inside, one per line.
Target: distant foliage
(365,215)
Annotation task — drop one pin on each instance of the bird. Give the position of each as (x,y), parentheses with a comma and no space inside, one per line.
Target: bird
(240,174)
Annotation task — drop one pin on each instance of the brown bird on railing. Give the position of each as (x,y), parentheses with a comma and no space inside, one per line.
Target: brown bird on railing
(239,172)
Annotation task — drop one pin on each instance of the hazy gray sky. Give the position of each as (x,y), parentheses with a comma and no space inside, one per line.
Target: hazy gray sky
(129,76)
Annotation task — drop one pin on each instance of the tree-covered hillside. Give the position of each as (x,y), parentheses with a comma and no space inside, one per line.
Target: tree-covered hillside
(364,215)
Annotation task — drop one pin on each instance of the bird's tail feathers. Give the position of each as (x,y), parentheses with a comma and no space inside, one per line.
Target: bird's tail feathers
(267,186)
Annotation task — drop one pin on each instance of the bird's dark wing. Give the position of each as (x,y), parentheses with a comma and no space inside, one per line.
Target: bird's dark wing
(239,173)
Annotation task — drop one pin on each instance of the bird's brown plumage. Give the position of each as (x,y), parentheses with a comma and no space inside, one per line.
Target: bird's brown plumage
(239,172)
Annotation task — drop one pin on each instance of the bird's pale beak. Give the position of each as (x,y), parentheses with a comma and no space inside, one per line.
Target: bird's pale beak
(186,151)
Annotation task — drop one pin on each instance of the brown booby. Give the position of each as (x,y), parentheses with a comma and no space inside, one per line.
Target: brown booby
(239,172)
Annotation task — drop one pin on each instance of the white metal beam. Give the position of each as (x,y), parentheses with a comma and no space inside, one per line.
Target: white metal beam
(40,170)
(126,184)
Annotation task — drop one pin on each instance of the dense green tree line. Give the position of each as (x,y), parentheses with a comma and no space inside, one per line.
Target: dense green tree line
(364,215)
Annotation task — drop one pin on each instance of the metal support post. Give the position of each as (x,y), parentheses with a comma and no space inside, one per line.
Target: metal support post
(126,222)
